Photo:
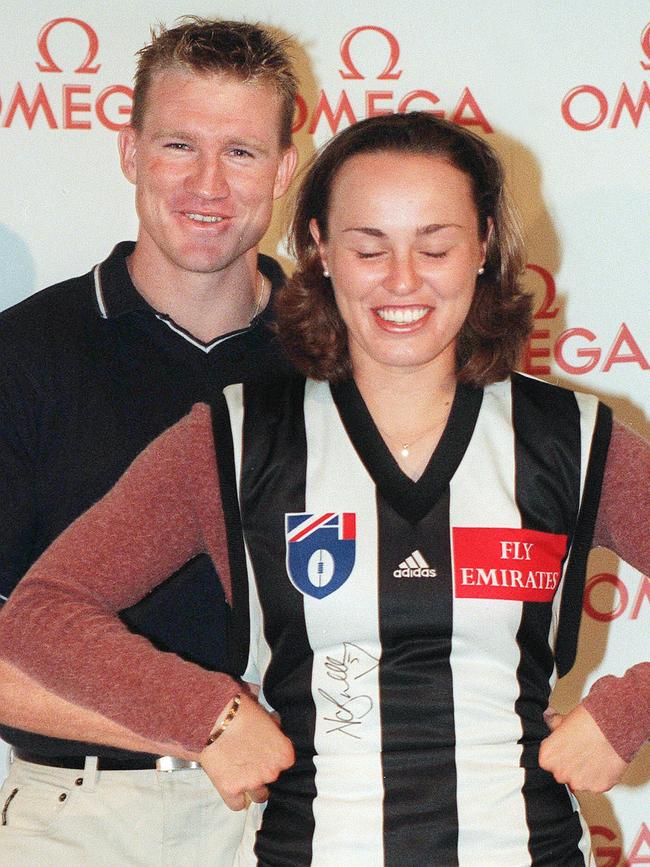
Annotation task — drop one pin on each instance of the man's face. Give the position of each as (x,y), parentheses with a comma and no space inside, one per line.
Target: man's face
(207,165)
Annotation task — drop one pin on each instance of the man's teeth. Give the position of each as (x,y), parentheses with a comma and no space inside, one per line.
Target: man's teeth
(204,218)
(402,315)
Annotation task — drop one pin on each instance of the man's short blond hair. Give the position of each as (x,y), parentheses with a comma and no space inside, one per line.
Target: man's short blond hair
(250,52)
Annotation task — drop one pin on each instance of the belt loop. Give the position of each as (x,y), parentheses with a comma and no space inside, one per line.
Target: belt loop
(90,774)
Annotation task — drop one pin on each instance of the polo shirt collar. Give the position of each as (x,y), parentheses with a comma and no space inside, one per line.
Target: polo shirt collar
(117,296)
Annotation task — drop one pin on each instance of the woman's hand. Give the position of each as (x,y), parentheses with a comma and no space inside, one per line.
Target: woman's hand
(250,752)
(578,754)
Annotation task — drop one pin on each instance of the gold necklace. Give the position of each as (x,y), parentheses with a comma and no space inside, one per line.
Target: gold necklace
(405,448)
(260,285)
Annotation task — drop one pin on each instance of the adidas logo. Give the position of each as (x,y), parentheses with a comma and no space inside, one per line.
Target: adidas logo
(415,566)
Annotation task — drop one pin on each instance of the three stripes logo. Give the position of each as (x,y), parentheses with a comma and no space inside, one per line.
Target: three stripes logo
(415,566)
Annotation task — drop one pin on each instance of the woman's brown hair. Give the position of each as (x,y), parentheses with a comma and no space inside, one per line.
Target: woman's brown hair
(500,318)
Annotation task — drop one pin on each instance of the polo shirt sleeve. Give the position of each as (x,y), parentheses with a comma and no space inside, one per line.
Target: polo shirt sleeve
(61,627)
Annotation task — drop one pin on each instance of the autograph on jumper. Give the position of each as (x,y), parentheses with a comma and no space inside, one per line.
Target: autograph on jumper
(348,709)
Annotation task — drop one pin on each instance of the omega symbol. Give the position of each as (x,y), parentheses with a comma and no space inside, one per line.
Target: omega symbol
(93,46)
(645,46)
(351,71)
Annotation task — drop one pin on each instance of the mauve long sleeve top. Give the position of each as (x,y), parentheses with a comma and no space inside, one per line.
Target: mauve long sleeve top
(60,624)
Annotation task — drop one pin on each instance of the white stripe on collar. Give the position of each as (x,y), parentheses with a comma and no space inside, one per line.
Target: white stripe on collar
(205,347)
(98,293)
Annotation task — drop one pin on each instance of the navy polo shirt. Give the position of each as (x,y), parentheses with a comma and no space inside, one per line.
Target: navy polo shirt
(89,375)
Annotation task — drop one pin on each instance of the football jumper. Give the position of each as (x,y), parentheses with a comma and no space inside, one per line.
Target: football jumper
(408,633)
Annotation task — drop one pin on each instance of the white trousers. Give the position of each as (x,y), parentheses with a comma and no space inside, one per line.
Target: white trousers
(57,817)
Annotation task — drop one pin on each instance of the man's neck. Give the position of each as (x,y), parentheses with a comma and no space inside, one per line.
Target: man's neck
(207,305)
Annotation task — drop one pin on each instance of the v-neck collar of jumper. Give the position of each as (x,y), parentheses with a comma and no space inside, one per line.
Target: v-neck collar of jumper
(411,499)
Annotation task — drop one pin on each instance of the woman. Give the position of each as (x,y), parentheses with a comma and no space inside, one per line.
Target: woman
(416,524)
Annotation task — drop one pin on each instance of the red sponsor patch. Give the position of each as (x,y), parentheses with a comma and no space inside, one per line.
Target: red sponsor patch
(504,563)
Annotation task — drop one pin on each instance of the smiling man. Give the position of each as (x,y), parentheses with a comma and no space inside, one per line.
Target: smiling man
(95,368)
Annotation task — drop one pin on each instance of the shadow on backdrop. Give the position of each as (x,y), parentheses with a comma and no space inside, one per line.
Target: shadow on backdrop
(17,271)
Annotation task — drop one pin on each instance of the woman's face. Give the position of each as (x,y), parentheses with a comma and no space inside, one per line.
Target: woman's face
(403,253)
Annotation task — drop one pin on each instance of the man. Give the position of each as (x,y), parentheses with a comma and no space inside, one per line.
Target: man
(91,371)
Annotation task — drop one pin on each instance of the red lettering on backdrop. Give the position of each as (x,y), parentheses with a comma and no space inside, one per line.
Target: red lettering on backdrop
(624,103)
(642,596)
(545,309)
(641,842)
(100,106)
(532,352)
(406,101)
(612,853)
(70,107)
(476,117)
(634,109)
(352,73)
(380,102)
(645,46)
(375,96)
(19,102)
(638,854)
(76,113)
(593,354)
(334,118)
(615,582)
(624,337)
(619,601)
(93,46)
(601,108)
(507,563)
(300,115)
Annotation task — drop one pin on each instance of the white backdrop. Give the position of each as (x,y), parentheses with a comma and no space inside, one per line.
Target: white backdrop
(562,90)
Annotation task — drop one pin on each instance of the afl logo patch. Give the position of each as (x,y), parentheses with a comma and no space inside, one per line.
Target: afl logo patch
(321,550)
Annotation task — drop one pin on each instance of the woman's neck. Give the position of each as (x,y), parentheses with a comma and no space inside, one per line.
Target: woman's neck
(410,408)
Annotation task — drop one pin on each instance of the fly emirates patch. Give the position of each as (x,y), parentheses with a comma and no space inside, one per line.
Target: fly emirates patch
(514,564)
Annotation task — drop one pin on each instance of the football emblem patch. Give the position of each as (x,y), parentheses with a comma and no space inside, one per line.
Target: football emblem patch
(320,550)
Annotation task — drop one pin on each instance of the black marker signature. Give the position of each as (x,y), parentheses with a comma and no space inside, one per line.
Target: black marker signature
(354,664)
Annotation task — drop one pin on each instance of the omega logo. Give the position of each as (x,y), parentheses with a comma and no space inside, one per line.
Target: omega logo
(607,597)
(353,72)
(586,107)
(93,46)
(69,106)
(576,351)
(348,106)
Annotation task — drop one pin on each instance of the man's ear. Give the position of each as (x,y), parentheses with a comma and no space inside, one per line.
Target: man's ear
(127,145)
(286,168)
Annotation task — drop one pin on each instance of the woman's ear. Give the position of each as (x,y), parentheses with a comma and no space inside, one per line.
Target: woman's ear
(314,231)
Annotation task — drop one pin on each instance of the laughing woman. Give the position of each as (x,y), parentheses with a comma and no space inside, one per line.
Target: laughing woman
(416,521)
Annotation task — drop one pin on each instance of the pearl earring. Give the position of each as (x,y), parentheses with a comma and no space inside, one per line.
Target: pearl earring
(481,270)
(326,273)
